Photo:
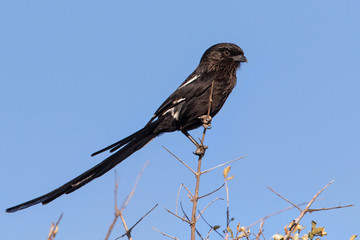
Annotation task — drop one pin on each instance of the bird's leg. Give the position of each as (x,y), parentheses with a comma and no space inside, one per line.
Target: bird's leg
(191,138)
(206,120)
(200,148)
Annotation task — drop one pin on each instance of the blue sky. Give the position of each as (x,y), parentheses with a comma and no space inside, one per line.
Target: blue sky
(79,75)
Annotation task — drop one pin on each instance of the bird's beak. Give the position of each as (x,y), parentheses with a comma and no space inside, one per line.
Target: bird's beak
(240,58)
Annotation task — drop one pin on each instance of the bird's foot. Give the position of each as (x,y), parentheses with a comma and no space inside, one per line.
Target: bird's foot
(200,151)
(206,120)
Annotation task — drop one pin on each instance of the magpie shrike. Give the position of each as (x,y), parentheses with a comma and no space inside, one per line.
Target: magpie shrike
(182,111)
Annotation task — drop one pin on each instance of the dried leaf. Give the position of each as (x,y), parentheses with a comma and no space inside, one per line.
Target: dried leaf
(238,229)
(230,231)
(320,231)
(295,236)
(353,237)
(286,228)
(311,236)
(226,171)
(298,228)
(305,237)
(229,178)
(216,227)
(278,237)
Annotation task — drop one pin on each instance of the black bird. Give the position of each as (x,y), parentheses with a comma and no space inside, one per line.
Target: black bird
(182,111)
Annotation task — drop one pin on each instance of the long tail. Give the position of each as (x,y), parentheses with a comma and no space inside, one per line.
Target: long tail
(133,143)
(115,146)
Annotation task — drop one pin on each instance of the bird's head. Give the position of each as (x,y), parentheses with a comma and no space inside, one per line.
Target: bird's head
(224,56)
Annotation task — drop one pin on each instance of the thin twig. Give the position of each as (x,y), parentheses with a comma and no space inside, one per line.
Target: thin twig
(166,235)
(208,206)
(331,208)
(116,207)
(210,225)
(207,236)
(182,209)
(260,230)
(127,200)
(285,199)
(191,196)
(213,191)
(227,203)
(111,227)
(119,212)
(272,214)
(210,169)
(128,232)
(143,217)
(180,160)
(177,198)
(183,219)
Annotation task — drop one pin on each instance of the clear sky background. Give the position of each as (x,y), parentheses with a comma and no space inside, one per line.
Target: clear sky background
(78,75)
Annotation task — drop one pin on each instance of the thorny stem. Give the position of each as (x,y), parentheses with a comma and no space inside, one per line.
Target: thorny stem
(195,199)
(198,173)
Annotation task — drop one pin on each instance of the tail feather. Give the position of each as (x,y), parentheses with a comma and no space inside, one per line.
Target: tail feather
(141,138)
(115,146)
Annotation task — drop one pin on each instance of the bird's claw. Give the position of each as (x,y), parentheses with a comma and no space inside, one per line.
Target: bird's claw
(200,151)
(206,120)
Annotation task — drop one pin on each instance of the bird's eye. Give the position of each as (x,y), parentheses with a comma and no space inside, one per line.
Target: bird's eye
(226,52)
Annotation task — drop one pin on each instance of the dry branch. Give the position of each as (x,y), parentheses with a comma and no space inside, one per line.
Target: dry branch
(208,206)
(273,214)
(119,212)
(285,199)
(331,208)
(307,209)
(223,164)
(183,219)
(128,232)
(166,235)
(180,160)
(213,191)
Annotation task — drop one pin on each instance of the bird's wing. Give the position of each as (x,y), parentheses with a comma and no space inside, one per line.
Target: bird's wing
(193,86)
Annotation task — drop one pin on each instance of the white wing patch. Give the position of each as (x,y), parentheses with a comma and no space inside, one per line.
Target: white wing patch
(178,101)
(171,109)
(173,113)
(189,81)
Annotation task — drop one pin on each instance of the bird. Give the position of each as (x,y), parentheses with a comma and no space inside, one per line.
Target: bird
(183,110)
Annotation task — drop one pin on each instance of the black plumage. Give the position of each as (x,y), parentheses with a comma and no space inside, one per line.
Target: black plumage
(181,111)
